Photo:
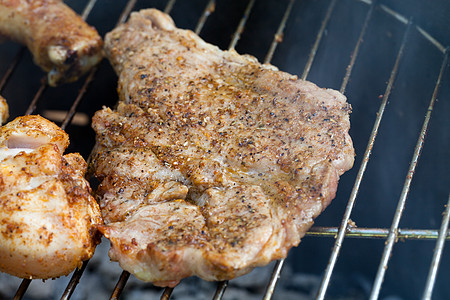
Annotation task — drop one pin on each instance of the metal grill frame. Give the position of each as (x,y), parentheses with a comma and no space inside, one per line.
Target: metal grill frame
(345,230)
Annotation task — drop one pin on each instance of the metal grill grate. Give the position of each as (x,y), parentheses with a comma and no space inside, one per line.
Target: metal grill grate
(345,230)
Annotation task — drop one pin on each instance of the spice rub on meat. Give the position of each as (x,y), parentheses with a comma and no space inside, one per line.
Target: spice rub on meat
(61,42)
(212,163)
(48,216)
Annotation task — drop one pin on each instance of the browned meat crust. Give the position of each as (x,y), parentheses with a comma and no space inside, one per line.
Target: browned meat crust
(212,163)
(60,41)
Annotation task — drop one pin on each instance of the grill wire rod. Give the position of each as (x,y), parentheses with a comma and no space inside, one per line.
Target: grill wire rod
(345,221)
(437,255)
(387,253)
(445,220)
(381,233)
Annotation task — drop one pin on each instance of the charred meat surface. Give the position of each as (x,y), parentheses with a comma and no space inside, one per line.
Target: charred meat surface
(48,217)
(62,43)
(212,163)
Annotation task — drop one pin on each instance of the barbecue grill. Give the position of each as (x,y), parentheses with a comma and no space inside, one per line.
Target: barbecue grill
(384,234)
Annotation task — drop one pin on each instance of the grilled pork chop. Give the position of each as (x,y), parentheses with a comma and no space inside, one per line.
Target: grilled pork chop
(212,163)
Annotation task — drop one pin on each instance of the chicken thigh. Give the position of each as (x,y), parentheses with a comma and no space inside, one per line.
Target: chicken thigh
(48,218)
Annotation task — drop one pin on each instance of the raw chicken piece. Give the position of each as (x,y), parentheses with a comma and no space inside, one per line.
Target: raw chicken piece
(212,163)
(48,218)
(62,44)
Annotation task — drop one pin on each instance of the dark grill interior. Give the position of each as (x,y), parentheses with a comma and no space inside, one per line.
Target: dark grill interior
(384,234)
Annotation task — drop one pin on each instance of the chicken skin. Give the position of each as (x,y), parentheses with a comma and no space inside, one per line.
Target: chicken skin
(48,218)
(61,43)
(4,110)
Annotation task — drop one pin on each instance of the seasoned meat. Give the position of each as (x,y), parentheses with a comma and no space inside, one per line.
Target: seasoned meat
(62,44)
(212,163)
(48,217)
(4,110)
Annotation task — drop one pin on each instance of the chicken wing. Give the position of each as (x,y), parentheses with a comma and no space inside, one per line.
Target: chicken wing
(62,44)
